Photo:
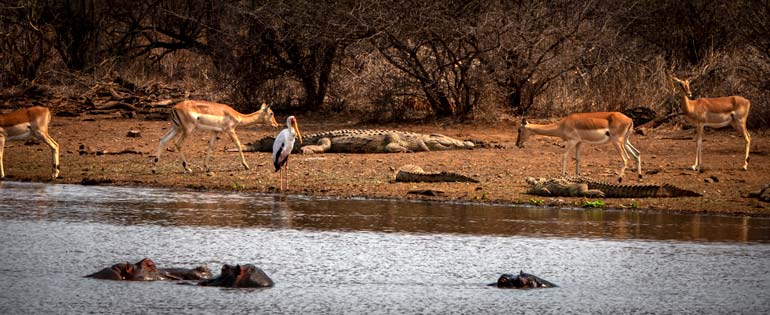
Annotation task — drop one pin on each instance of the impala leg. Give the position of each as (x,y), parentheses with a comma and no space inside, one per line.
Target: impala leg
(212,142)
(740,125)
(636,155)
(620,147)
(698,147)
(570,146)
(178,146)
(240,149)
(162,144)
(746,137)
(577,159)
(632,151)
(2,148)
(45,137)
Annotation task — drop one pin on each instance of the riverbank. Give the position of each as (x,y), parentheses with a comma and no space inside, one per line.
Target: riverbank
(95,149)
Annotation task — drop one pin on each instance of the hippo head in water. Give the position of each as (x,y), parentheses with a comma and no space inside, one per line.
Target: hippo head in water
(141,271)
(240,276)
(522,281)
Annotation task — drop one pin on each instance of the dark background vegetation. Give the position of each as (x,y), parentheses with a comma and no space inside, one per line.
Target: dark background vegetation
(393,60)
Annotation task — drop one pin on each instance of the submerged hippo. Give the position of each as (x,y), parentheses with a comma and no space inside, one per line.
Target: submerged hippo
(197,273)
(143,270)
(522,281)
(240,276)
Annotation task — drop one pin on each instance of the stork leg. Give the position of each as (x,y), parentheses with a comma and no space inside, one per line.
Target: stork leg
(2,147)
(287,173)
(283,172)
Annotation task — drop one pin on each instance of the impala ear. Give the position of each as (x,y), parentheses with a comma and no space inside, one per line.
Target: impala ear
(265,107)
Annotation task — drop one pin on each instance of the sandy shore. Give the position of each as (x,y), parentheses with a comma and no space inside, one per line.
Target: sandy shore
(666,155)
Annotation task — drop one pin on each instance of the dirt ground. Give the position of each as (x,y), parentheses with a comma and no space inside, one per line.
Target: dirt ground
(667,153)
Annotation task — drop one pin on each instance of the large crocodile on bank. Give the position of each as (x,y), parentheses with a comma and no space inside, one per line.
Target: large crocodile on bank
(367,141)
(586,187)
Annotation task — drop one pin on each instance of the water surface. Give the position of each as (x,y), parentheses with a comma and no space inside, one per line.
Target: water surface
(357,256)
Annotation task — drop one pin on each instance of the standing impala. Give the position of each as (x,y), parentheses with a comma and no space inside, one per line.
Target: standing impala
(593,128)
(190,115)
(714,112)
(23,124)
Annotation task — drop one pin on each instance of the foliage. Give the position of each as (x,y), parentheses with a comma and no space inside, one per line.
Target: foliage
(593,204)
(398,59)
(536,202)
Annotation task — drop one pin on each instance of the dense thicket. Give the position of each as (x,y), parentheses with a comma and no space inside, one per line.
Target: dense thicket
(398,59)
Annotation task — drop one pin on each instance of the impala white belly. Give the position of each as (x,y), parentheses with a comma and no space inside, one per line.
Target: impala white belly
(594,136)
(17,132)
(718,120)
(713,120)
(210,122)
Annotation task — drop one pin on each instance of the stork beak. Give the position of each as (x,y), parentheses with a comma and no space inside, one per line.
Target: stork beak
(296,129)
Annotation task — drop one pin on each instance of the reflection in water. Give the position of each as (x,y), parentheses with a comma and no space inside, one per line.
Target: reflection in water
(280,216)
(132,206)
(372,257)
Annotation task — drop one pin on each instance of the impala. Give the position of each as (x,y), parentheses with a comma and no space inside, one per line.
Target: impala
(593,128)
(714,112)
(23,124)
(190,115)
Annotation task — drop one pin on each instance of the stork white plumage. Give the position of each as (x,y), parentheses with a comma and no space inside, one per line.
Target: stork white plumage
(282,147)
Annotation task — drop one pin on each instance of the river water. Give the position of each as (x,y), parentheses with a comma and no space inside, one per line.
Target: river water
(331,256)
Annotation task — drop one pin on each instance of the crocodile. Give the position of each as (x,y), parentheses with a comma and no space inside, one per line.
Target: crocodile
(366,141)
(586,187)
(412,173)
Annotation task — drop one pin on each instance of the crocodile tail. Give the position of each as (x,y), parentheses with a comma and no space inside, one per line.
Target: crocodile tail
(459,177)
(674,191)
